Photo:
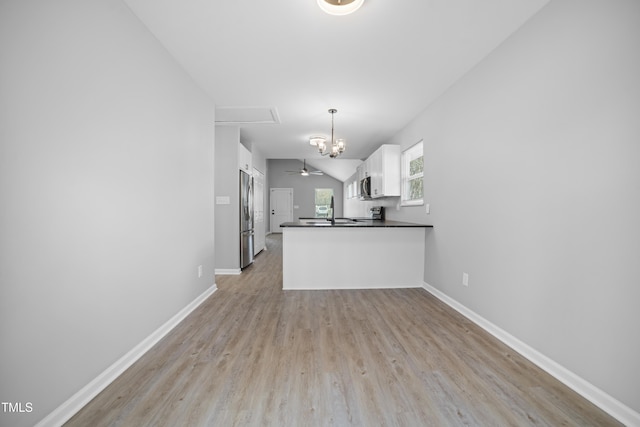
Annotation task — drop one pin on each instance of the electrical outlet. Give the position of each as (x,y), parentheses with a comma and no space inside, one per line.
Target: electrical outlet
(465,279)
(199,271)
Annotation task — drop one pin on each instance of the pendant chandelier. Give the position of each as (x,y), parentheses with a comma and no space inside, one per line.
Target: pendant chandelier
(337,146)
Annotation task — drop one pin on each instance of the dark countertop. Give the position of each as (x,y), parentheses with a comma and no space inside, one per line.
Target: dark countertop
(351,223)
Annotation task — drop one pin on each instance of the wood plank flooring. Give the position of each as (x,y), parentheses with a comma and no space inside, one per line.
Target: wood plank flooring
(253,354)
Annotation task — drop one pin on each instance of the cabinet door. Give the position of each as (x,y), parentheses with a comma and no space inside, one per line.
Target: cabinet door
(375,163)
(384,168)
(244,159)
(391,170)
(363,170)
(258,212)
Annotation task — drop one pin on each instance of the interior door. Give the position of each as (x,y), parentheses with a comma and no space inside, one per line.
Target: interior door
(281,205)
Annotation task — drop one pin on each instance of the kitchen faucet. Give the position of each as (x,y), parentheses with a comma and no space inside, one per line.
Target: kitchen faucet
(333,215)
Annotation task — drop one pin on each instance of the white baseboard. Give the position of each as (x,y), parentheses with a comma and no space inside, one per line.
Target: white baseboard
(350,287)
(604,401)
(76,402)
(228,271)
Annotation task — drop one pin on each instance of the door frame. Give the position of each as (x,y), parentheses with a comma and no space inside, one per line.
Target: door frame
(271,212)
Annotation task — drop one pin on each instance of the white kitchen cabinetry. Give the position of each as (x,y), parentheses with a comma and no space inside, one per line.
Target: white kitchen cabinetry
(363,170)
(245,162)
(393,256)
(359,177)
(384,169)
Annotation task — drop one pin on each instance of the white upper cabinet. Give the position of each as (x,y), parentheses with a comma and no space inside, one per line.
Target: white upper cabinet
(245,162)
(384,169)
(363,170)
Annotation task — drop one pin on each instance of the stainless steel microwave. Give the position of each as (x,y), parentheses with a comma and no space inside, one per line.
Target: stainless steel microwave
(365,188)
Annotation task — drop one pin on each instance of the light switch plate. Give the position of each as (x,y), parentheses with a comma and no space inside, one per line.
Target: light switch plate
(427,208)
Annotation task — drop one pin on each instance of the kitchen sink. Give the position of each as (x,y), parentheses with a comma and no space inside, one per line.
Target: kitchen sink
(345,221)
(327,221)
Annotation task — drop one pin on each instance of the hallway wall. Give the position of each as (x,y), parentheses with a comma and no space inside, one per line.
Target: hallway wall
(531,173)
(106,182)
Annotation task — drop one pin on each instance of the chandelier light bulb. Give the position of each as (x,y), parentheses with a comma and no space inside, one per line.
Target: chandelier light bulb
(316,140)
(334,151)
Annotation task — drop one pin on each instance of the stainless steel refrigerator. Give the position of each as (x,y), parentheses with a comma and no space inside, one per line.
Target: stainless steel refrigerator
(246,219)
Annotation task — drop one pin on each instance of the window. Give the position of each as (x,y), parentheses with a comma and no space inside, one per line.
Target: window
(323,202)
(412,174)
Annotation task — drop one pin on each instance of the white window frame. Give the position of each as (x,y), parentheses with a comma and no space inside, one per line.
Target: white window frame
(315,195)
(411,153)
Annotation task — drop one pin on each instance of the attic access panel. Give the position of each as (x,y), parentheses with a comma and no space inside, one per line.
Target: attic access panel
(246,115)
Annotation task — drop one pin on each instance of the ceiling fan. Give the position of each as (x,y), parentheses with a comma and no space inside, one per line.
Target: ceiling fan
(304,171)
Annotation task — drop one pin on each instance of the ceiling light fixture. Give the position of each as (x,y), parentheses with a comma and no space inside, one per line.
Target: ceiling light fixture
(337,145)
(315,140)
(304,171)
(340,7)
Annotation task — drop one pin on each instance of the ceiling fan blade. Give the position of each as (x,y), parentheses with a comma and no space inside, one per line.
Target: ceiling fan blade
(304,171)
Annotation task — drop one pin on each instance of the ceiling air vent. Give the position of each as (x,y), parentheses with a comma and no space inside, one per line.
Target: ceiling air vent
(246,115)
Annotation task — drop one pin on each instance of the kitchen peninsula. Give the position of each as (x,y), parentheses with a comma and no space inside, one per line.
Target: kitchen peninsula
(352,254)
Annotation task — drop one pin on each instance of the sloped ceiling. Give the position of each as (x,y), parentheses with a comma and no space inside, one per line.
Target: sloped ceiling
(379,67)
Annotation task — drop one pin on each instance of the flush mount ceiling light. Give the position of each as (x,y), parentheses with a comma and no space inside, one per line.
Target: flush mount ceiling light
(337,145)
(340,7)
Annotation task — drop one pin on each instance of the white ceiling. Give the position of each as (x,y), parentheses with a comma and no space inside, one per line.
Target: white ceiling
(379,67)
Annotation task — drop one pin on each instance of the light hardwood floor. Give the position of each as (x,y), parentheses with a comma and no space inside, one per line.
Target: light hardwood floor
(253,354)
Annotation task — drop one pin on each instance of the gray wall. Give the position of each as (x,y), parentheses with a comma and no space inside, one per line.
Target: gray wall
(106,182)
(303,186)
(532,175)
(227,184)
(227,217)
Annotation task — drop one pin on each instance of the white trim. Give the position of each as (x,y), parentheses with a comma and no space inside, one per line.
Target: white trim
(406,157)
(352,288)
(228,271)
(64,412)
(417,202)
(604,401)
